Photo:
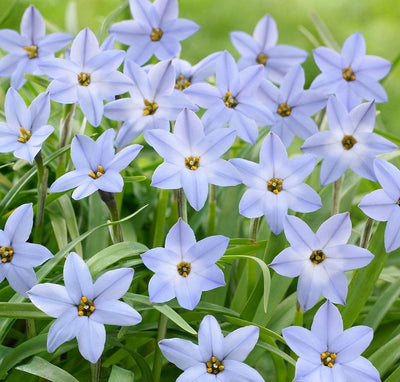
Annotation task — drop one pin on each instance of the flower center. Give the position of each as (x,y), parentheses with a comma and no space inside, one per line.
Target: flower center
(6,254)
(348,74)
(398,202)
(84,79)
(284,109)
(317,257)
(149,107)
(182,82)
(214,366)
(328,359)
(275,185)
(85,307)
(156,34)
(98,173)
(25,135)
(230,100)
(32,51)
(192,163)
(262,58)
(183,269)
(348,142)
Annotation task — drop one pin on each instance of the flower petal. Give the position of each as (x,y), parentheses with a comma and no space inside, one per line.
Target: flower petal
(91,104)
(183,353)
(211,340)
(195,185)
(21,279)
(290,262)
(113,312)
(245,44)
(346,257)
(188,291)
(353,47)
(113,284)
(304,343)
(227,74)
(180,238)
(28,255)
(68,181)
(266,32)
(91,339)
(208,250)
(275,210)
(377,205)
(361,369)
(161,288)
(236,371)
(252,202)
(84,47)
(327,323)
(19,224)
(32,24)
(334,231)
(63,329)
(392,231)
(239,343)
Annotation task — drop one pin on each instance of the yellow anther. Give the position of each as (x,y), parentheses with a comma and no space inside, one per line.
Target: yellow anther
(316,258)
(348,74)
(24,135)
(328,359)
(192,163)
(348,142)
(183,268)
(284,109)
(98,173)
(214,365)
(32,51)
(149,107)
(80,313)
(85,307)
(6,254)
(84,79)
(182,82)
(156,34)
(84,299)
(230,100)
(275,185)
(262,58)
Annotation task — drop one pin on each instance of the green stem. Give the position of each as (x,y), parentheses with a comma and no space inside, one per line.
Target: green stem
(95,369)
(212,197)
(298,316)
(30,328)
(162,330)
(161,213)
(69,111)
(182,207)
(366,233)
(109,199)
(336,196)
(320,118)
(254,229)
(42,175)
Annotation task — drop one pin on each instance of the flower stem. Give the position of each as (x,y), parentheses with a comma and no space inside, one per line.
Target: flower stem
(95,369)
(161,213)
(336,196)
(212,197)
(366,233)
(109,199)
(162,330)
(298,316)
(254,229)
(42,175)
(30,328)
(182,208)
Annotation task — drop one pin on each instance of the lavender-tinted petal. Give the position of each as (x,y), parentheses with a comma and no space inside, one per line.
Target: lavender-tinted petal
(293,84)
(8,65)
(369,89)
(124,157)
(161,288)
(250,79)
(188,292)
(269,95)
(392,231)
(327,59)
(180,238)
(363,117)
(338,117)
(216,116)
(84,47)
(21,279)
(272,153)
(275,210)
(141,51)
(311,101)
(106,61)
(52,299)
(15,109)
(91,104)
(236,371)
(213,145)
(122,110)
(183,353)
(144,10)
(353,47)
(227,74)
(297,170)
(63,92)
(239,343)
(85,189)
(189,129)
(63,329)
(255,110)
(91,339)
(377,205)
(334,285)
(40,135)
(245,127)
(12,42)
(205,67)
(351,343)
(27,255)
(169,146)
(375,67)
(245,44)
(131,32)
(290,262)
(162,77)
(54,42)
(171,105)
(180,28)
(327,82)
(196,372)
(111,181)
(309,286)
(32,24)
(361,369)
(195,185)
(209,278)
(345,257)
(388,177)
(266,32)
(113,312)
(113,284)
(109,84)
(304,343)
(167,176)
(308,371)
(77,278)
(373,144)
(40,110)
(332,169)
(27,152)
(64,70)
(327,323)
(211,340)
(302,198)
(252,203)
(299,234)
(84,153)
(167,48)
(165,260)
(208,250)
(324,144)
(334,231)
(251,173)
(222,173)
(68,181)
(19,224)
(301,124)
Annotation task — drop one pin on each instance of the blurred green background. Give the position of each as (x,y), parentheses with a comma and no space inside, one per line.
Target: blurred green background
(377,20)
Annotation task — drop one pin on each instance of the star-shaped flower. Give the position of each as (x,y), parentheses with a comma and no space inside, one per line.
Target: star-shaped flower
(88,77)
(351,75)
(261,49)
(185,268)
(97,167)
(82,307)
(327,353)
(28,48)
(384,204)
(192,158)
(156,29)
(349,142)
(216,358)
(233,100)
(26,127)
(276,184)
(292,106)
(320,259)
(153,102)
(17,256)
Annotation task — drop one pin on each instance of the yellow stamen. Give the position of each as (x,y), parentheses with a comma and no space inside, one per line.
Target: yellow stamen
(156,34)
(98,173)
(84,79)
(214,366)
(262,58)
(149,107)
(284,109)
(317,257)
(192,163)
(85,307)
(32,51)
(230,100)
(348,74)
(182,82)
(184,268)
(275,185)
(328,359)
(6,254)
(348,142)
(25,135)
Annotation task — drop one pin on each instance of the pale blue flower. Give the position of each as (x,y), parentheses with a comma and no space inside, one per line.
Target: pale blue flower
(384,204)
(17,256)
(261,49)
(292,106)
(29,48)
(216,358)
(88,77)
(233,101)
(351,75)
(276,184)
(82,307)
(320,259)
(350,142)
(97,167)
(153,102)
(327,352)
(26,128)
(185,268)
(192,158)
(156,29)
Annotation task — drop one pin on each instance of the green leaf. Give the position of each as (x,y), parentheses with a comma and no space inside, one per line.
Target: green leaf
(324,33)
(44,369)
(387,355)
(118,374)
(21,310)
